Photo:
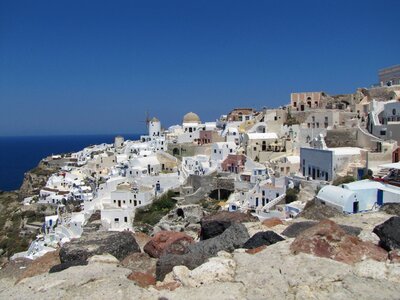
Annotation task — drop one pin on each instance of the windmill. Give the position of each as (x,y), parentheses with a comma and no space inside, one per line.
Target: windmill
(147,120)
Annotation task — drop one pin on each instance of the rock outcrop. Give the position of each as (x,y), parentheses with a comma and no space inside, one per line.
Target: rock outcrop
(217,269)
(214,225)
(315,210)
(170,242)
(293,230)
(391,208)
(389,233)
(118,244)
(263,238)
(41,265)
(327,239)
(232,238)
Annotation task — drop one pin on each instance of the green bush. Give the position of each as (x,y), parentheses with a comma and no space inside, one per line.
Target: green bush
(343,180)
(291,195)
(153,213)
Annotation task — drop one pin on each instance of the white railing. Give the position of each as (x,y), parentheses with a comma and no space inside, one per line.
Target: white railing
(273,202)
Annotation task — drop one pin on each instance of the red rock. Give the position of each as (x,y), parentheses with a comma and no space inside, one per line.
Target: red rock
(168,242)
(272,222)
(142,279)
(41,265)
(327,239)
(141,238)
(394,256)
(256,250)
(140,262)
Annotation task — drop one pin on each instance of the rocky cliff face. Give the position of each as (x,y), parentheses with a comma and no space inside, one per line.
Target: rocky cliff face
(35,179)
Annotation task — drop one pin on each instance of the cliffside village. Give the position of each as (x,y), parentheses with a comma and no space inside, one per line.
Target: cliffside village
(247,159)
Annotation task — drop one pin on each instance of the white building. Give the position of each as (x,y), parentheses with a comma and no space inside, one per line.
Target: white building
(359,196)
(324,163)
(220,151)
(118,213)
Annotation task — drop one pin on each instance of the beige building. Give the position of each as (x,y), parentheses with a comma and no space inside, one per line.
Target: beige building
(304,101)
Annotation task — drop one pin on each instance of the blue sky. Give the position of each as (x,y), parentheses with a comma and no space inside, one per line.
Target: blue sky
(88,67)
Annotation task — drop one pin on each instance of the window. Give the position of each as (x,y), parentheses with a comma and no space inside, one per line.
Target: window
(295,104)
(255,148)
(116,220)
(383,132)
(230,150)
(126,219)
(215,150)
(394,111)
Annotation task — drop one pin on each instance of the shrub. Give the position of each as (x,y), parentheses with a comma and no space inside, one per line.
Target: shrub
(153,213)
(291,195)
(342,180)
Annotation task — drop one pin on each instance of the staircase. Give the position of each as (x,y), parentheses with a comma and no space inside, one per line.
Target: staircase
(272,203)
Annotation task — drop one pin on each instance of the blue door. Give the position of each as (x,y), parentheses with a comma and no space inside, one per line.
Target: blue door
(380,197)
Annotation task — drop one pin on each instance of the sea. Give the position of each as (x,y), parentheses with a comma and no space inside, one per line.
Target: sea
(22,153)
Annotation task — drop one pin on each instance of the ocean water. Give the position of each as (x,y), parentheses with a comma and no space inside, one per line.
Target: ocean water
(20,154)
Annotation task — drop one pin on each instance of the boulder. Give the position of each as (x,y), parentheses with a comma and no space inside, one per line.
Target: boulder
(140,262)
(263,238)
(168,242)
(103,259)
(315,210)
(389,233)
(391,208)
(41,265)
(272,222)
(118,244)
(293,230)
(66,265)
(141,238)
(328,239)
(142,279)
(215,224)
(394,256)
(232,238)
(216,269)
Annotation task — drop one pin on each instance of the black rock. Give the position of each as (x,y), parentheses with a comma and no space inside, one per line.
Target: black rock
(214,225)
(263,238)
(66,265)
(118,244)
(389,234)
(293,230)
(232,238)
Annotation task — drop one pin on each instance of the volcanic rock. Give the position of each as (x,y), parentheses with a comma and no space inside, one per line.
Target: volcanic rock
(327,239)
(213,225)
(142,279)
(315,210)
(118,244)
(293,230)
(263,238)
(168,242)
(391,208)
(389,233)
(66,265)
(232,238)
(41,265)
